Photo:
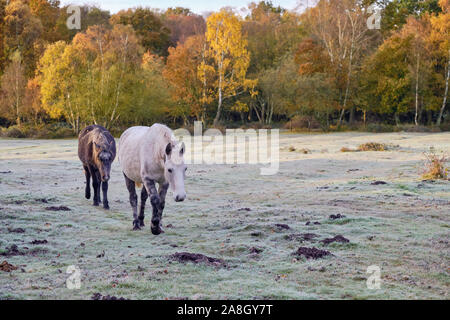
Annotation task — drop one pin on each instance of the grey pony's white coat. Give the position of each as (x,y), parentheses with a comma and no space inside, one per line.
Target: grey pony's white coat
(150,155)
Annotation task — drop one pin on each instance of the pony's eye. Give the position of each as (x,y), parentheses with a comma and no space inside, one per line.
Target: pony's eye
(170,170)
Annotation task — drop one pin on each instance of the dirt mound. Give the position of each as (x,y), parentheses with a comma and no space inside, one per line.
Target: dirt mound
(281,226)
(43,200)
(7,267)
(336,216)
(16,230)
(12,250)
(377,183)
(311,253)
(312,223)
(338,238)
(39,242)
(60,208)
(98,296)
(196,258)
(255,250)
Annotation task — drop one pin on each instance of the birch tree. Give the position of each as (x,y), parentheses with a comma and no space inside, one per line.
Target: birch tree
(13,83)
(227,58)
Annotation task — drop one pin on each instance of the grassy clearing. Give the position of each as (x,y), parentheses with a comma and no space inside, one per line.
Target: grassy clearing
(230,211)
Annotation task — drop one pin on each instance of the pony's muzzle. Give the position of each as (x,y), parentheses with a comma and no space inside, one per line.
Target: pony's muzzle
(180,197)
(105,178)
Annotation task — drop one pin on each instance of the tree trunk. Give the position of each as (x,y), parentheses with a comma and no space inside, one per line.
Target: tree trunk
(352,115)
(444,102)
(219,106)
(397,119)
(416,117)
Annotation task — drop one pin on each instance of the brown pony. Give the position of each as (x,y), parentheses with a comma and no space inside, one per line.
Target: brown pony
(97,151)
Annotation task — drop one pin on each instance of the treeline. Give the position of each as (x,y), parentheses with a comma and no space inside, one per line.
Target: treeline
(321,68)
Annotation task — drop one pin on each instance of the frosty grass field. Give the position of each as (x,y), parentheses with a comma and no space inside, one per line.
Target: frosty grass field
(253,223)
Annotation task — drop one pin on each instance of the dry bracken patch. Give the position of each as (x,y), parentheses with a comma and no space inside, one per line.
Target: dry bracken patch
(435,166)
(373,146)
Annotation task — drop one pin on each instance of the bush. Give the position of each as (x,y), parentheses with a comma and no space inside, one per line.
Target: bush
(56,131)
(373,146)
(62,133)
(302,123)
(380,127)
(435,166)
(13,132)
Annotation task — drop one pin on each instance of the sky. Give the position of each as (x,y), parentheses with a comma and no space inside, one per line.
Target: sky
(197,6)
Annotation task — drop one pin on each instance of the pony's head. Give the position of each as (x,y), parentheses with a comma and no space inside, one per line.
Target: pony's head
(103,158)
(175,170)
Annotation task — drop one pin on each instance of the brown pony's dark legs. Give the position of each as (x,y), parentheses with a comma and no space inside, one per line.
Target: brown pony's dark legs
(105,195)
(144,197)
(96,185)
(131,186)
(87,193)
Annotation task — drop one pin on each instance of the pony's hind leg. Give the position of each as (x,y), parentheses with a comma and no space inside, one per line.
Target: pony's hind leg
(87,192)
(144,197)
(133,201)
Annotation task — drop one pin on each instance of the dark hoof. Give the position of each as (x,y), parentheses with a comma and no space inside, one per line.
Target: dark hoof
(156,230)
(136,226)
(141,223)
(95,204)
(87,195)
(106,206)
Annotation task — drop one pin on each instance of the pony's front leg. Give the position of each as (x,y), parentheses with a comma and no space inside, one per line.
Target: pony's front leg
(105,195)
(96,186)
(131,186)
(87,192)
(156,205)
(162,196)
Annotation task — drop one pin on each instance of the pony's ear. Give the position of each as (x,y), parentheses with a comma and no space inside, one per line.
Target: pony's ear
(168,149)
(182,148)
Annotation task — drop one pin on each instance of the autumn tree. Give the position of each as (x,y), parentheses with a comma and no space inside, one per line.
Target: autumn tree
(32,101)
(182,72)
(91,15)
(440,41)
(341,29)
(183,24)
(395,13)
(22,31)
(48,12)
(271,32)
(417,30)
(227,58)
(152,33)
(91,79)
(2,35)
(12,93)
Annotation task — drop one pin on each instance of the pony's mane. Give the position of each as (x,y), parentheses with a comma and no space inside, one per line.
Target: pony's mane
(99,138)
(168,137)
